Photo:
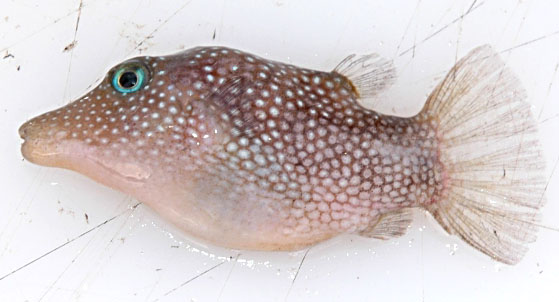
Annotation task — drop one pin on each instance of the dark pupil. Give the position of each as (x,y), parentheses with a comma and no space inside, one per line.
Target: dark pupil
(128,79)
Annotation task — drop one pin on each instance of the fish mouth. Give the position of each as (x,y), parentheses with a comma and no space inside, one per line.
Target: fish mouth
(24,130)
(58,150)
(21,131)
(38,147)
(40,152)
(26,146)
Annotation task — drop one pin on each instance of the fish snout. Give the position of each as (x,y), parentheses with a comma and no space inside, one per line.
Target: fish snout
(25,129)
(42,139)
(37,127)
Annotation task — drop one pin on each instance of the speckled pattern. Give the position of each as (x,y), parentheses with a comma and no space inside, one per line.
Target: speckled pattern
(292,143)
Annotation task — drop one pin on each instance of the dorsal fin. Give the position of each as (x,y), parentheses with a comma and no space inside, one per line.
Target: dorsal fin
(369,74)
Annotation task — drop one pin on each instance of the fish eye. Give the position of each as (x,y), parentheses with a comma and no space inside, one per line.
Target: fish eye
(129,78)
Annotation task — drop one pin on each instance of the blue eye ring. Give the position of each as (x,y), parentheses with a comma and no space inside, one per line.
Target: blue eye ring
(129,78)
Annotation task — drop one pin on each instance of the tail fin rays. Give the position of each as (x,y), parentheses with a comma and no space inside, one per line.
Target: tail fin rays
(491,156)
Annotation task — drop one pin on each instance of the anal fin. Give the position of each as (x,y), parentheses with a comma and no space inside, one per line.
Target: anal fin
(389,225)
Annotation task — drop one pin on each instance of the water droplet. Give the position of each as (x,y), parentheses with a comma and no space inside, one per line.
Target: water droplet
(452,248)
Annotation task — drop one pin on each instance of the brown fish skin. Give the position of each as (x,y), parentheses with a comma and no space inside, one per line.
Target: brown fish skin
(249,153)
(243,151)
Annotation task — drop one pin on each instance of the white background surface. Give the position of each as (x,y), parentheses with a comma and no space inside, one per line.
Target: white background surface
(49,251)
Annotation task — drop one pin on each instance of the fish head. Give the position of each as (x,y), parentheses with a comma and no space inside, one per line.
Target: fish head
(147,115)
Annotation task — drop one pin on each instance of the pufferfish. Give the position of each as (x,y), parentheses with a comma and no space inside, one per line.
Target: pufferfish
(248,153)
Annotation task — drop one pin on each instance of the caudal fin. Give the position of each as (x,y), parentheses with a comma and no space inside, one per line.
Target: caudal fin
(494,183)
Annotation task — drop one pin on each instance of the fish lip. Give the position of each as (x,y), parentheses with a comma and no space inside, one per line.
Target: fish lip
(30,153)
(27,152)
(44,152)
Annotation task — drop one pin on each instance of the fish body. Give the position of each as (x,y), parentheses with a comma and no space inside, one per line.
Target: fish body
(249,153)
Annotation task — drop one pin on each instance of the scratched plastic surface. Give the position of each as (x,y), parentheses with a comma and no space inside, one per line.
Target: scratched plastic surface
(66,238)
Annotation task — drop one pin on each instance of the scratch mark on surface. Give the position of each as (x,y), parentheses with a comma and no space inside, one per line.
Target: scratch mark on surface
(191,279)
(549,91)
(548,181)
(520,25)
(416,11)
(223,10)
(16,209)
(422,271)
(150,35)
(78,19)
(297,273)
(228,276)
(71,48)
(65,244)
(547,227)
(443,16)
(507,24)
(472,5)
(120,36)
(81,250)
(344,29)
(75,295)
(530,41)
(40,29)
(154,285)
(472,9)
(459,36)
(119,229)
(30,194)
(105,251)
(549,118)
